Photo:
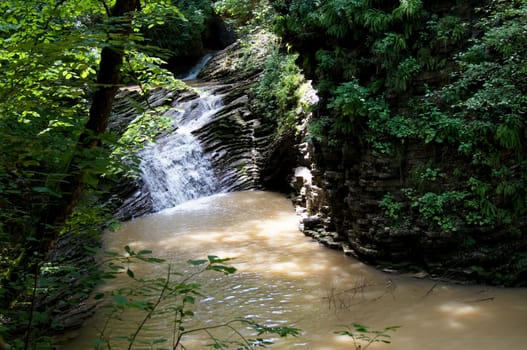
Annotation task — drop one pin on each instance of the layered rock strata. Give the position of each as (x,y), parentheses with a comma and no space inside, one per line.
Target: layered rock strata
(236,141)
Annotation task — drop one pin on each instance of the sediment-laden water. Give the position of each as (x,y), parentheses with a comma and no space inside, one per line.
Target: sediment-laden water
(285,278)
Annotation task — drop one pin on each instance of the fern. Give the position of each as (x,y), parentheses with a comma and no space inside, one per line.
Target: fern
(330,19)
(407,9)
(376,20)
(508,133)
(449,29)
(507,38)
(338,30)
(350,105)
(325,60)
(390,46)
(406,71)
(426,59)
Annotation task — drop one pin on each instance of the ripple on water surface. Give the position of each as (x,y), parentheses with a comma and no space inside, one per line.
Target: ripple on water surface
(285,278)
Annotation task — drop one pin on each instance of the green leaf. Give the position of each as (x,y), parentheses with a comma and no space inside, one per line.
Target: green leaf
(90,179)
(115,267)
(214,259)
(151,260)
(113,254)
(120,300)
(129,250)
(97,343)
(197,262)
(142,305)
(47,190)
(92,250)
(222,268)
(189,300)
(360,328)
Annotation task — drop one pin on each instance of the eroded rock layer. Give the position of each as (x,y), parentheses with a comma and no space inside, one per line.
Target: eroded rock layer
(236,141)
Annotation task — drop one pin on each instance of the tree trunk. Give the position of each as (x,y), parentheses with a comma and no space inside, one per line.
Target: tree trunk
(47,228)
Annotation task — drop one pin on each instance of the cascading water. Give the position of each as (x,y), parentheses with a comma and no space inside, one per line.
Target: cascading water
(175,169)
(194,72)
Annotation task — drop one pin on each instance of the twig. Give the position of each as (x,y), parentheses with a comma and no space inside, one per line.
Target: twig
(108,11)
(32,310)
(149,314)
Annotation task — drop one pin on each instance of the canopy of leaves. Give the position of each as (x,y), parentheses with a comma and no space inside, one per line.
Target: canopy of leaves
(48,58)
(245,15)
(181,35)
(446,75)
(49,54)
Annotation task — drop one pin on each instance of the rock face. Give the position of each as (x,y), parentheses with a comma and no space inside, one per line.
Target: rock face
(338,195)
(340,188)
(234,141)
(238,143)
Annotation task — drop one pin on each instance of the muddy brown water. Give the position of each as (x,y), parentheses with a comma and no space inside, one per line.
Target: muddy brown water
(286,279)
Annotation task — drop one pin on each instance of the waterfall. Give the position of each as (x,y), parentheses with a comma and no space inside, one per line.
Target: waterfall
(174,168)
(193,73)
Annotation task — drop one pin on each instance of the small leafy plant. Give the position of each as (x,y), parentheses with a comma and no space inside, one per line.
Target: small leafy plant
(363,336)
(173,297)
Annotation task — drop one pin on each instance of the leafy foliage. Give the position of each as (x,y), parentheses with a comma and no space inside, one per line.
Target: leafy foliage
(245,15)
(278,96)
(48,59)
(49,53)
(386,29)
(398,73)
(180,32)
(489,120)
(176,297)
(363,336)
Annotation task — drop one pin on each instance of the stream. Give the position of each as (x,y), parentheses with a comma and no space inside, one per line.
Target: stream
(285,278)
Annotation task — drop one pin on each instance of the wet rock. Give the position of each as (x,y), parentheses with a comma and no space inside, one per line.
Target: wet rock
(239,144)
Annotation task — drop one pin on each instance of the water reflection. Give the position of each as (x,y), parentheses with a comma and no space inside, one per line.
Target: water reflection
(285,278)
